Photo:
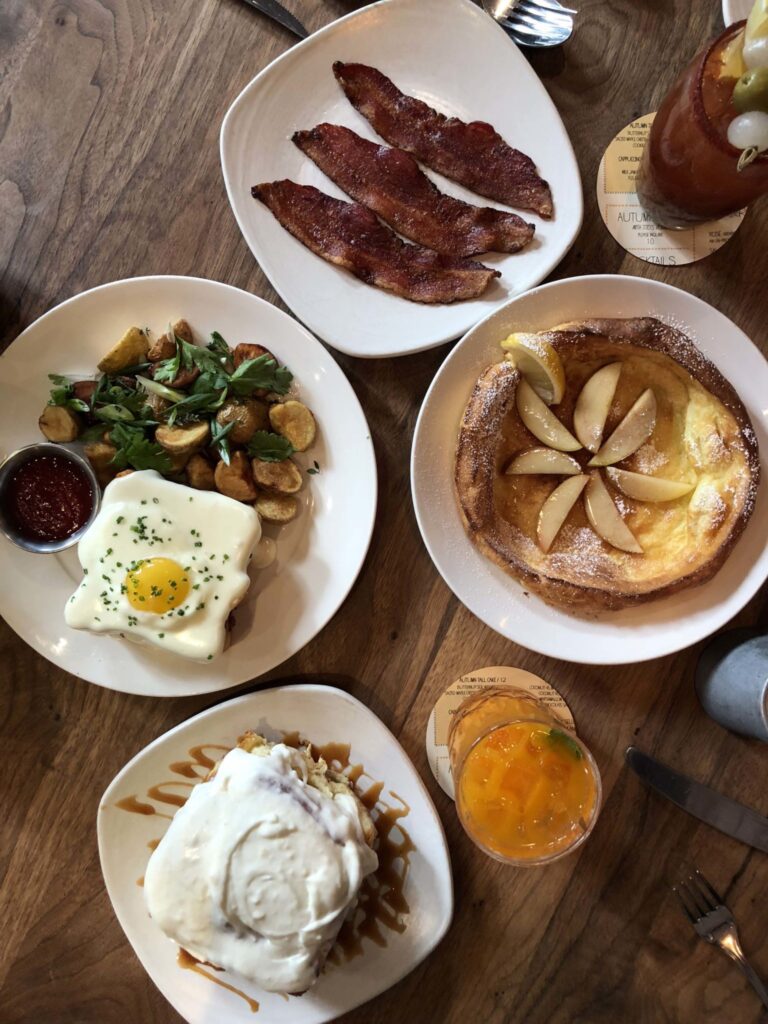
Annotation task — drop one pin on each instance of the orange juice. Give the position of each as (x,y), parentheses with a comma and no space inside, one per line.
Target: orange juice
(527,790)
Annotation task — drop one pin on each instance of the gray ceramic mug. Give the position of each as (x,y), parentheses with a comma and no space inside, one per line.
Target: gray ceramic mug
(732,681)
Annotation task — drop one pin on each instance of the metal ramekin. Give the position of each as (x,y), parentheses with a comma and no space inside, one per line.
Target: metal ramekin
(18,458)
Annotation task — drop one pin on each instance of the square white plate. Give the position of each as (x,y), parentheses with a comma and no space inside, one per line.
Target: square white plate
(456,58)
(319,554)
(634,634)
(324,715)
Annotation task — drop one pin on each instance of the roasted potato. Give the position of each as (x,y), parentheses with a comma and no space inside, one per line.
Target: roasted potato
(182,440)
(244,351)
(161,348)
(100,455)
(179,460)
(283,477)
(84,389)
(248,415)
(59,424)
(276,508)
(157,404)
(184,378)
(200,473)
(294,421)
(235,480)
(164,347)
(124,472)
(131,349)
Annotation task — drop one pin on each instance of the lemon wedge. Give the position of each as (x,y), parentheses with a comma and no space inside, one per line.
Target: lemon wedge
(539,363)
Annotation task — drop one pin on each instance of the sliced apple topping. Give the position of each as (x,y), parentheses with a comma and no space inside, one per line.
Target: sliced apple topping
(646,488)
(594,404)
(605,519)
(543,460)
(633,431)
(556,508)
(539,363)
(541,422)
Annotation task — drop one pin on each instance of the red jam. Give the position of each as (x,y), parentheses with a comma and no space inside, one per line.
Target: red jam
(48,498)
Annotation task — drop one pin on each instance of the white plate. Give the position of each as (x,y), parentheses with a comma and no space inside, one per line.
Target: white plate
(319,554)
(450,54)
(634,634)
(736,10)
(322,714)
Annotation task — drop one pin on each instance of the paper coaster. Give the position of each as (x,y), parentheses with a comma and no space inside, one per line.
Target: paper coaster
(481,679)
(628,222)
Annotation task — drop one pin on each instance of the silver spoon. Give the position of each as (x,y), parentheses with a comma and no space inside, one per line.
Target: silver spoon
(538,23)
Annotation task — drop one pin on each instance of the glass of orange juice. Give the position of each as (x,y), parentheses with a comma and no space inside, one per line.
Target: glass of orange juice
(527,789)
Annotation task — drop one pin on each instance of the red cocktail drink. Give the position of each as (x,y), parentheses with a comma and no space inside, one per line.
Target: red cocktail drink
(688,173)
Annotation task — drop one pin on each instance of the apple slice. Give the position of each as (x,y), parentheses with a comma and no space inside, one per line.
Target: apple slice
(543,460)
(646,488)
(633,431)
(594,404)
(605,518)
(555,509)
(541,422)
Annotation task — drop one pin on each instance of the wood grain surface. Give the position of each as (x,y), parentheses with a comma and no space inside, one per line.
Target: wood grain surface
(109,167)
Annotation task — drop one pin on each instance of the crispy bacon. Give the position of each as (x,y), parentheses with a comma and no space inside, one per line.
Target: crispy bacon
(391,183)
(350,236)
(473,154)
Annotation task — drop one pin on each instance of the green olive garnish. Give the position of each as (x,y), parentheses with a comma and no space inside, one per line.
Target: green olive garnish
(751,91)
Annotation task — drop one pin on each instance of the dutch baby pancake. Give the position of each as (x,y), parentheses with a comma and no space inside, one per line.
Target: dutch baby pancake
(605,462)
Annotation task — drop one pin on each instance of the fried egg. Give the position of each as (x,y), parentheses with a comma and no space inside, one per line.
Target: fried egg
(164,564)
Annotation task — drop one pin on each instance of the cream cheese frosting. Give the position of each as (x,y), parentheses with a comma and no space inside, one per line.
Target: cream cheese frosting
(258,870)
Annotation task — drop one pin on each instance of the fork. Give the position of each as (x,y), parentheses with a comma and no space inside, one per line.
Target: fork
(714,922)
(533,22)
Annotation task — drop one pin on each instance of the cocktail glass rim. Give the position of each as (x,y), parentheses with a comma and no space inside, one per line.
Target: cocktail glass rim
(699,110)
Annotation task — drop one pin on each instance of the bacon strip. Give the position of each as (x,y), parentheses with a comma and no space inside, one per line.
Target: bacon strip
(391,183)
(350,236)
(473,154)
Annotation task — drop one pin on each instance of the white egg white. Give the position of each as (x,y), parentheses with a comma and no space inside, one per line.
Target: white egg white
(145,516)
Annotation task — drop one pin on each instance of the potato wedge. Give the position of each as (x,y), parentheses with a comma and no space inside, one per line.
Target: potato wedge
(294,421)
(161,348)
(235,480)
(182,329)
(179,460)
(156,403)
(84,389)
(184,379)
(244,351)
(182,440)
(276,508)
(131,349)
(164,347)
(59,424)
(248,416)
(100,455)
(200,473)
(283,477)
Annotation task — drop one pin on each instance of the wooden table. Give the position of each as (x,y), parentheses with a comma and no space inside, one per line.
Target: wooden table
(109,167)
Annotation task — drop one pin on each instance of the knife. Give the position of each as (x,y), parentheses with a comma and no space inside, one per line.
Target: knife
(278,13)
(719,811)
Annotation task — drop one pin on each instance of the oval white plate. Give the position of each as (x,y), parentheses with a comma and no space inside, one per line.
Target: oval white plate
(634,634)
(319,554)
(736,10)
(450,54)
(322,714)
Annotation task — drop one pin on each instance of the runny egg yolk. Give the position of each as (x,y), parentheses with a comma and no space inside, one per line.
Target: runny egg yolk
(156,585)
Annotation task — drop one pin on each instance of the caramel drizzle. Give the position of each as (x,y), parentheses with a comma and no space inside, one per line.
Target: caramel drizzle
(382,905)
(189,963)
